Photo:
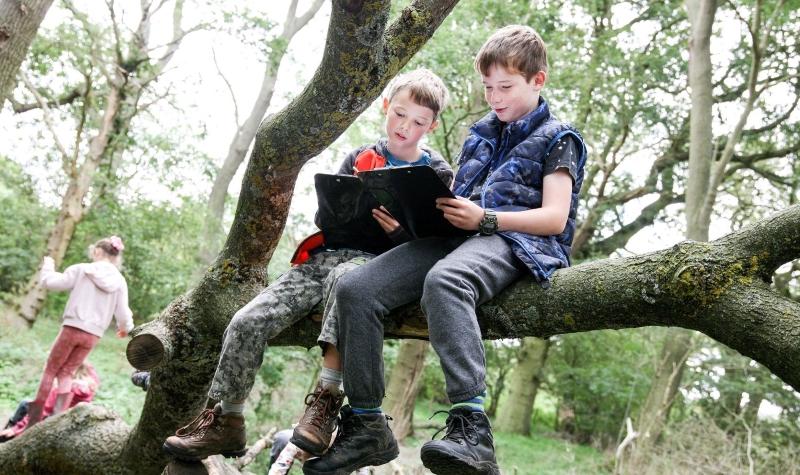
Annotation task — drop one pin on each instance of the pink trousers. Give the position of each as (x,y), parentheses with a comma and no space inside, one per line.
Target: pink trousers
(70,349)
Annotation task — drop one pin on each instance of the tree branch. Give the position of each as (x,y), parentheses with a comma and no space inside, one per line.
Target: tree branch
(303,19)
(718,288)
(66,162)
(66,98)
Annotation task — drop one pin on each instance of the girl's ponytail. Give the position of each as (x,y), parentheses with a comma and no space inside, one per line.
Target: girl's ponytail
(113,248)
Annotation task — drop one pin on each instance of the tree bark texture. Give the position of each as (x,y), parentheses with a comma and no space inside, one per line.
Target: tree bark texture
(86,440)
(19,22)
(404,385)
(517,406)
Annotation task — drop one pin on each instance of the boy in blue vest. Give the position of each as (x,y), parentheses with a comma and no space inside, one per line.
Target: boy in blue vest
(520,173)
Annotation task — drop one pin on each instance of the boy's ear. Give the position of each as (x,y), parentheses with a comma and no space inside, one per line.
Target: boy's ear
(385,105)
(538,80)
(433,126)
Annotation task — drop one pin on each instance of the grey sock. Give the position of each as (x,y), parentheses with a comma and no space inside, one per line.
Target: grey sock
(229,407)
(330,376)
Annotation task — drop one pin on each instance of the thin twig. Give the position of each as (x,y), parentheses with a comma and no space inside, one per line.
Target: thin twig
(228,84)
(264,442)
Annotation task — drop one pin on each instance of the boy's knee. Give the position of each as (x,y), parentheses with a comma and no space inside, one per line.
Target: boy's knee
(348,289)
(442,285)
(241,321)
(439,280)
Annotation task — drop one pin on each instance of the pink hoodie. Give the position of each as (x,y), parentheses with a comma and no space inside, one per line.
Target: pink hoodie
(98,292)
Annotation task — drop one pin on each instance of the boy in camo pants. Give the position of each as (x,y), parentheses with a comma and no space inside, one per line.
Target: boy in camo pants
(412,105)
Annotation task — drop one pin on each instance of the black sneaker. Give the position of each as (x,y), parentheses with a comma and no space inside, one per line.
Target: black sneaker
(467,447)
(363,440)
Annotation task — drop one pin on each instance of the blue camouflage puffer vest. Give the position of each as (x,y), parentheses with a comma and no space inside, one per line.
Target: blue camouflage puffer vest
(513,156)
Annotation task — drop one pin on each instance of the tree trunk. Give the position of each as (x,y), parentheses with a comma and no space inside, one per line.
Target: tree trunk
(516,410)
(701,17)
(664,389)
(677,343)
(494,390)
(404,385)
(245,134)
(19,22)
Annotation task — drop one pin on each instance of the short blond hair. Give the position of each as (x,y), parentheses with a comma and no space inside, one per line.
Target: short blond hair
(517,48)
(424,87)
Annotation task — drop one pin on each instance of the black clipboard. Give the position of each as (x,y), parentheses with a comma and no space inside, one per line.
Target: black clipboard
(344,214)
(408,193)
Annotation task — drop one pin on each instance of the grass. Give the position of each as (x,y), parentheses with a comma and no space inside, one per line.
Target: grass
(23,353)
(540,454)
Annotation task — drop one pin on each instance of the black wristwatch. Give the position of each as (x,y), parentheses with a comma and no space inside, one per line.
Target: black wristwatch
(488,224)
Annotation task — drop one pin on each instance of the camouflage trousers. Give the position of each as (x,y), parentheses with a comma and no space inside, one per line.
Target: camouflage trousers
(284,302)
(329,335)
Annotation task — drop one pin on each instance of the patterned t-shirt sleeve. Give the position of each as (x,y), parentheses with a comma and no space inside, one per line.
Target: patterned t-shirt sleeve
(565,154)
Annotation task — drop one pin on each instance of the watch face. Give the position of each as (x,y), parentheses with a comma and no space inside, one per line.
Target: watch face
(488,224)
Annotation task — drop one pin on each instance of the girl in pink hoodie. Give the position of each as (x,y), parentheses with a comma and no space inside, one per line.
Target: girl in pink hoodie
(98,292)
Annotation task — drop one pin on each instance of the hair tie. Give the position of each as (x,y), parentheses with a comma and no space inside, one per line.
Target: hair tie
(116,243)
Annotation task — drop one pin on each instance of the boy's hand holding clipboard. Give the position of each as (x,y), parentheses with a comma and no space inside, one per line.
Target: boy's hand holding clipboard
(408,194)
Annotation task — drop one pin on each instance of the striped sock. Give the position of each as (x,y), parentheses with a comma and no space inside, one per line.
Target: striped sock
(475,404)
(367,410)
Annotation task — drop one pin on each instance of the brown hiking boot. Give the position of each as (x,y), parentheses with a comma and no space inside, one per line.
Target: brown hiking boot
(313,432)
(211,433)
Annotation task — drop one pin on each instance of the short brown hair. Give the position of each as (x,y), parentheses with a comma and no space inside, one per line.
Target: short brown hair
(515,47)
(424,87)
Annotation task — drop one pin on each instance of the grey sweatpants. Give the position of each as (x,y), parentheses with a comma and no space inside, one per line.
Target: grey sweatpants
(284,302)
(450,277)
